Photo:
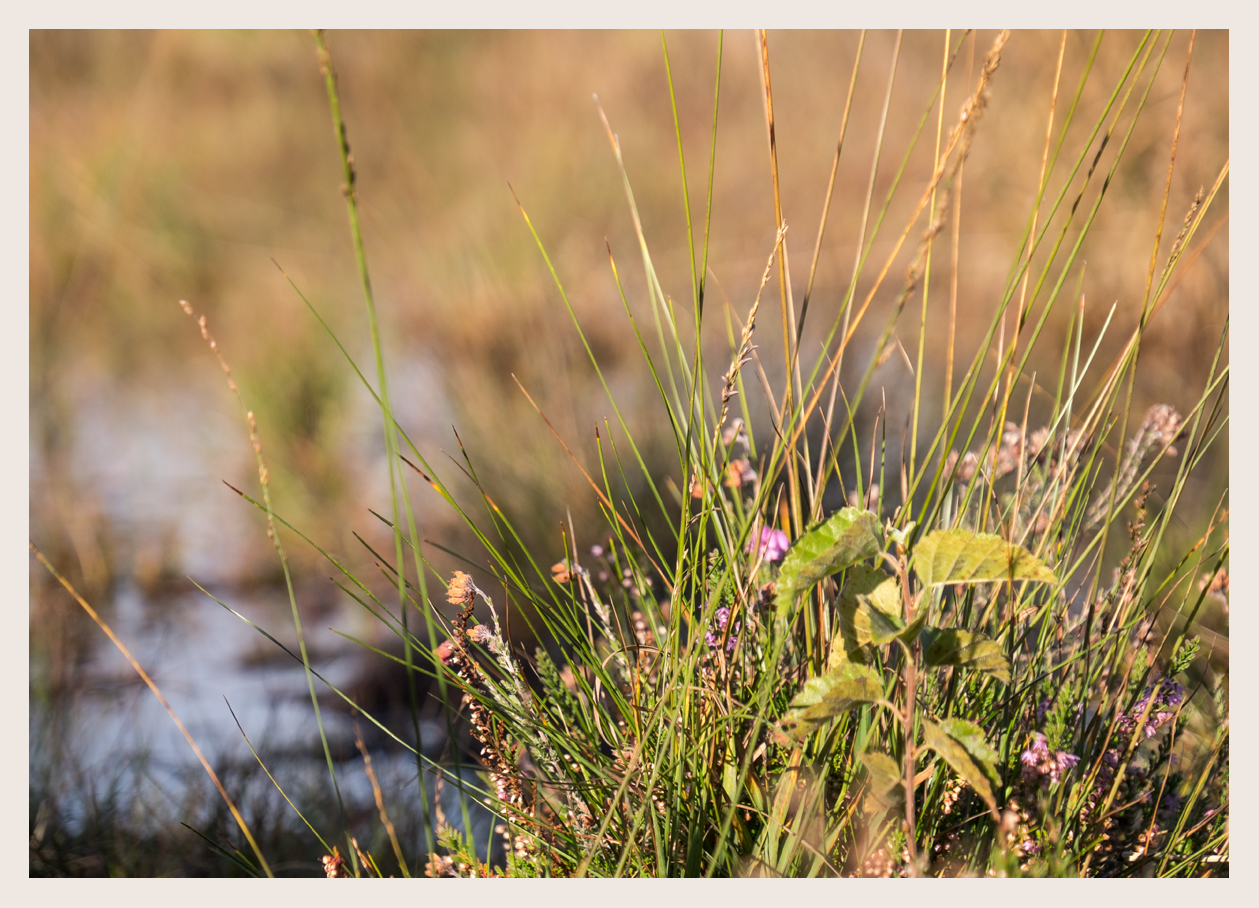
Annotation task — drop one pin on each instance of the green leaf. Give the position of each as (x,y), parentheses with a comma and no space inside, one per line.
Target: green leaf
(882,626)
(953,646)
(840,655)
(958,756)
(911,631)
(1185,654)
(830,695)
(900,536)
(867,609)
(849,536)
(887,787)
(971,737)
(960,556)
(876,586)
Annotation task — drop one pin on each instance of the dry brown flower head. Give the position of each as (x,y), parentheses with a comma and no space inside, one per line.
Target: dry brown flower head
(461,590)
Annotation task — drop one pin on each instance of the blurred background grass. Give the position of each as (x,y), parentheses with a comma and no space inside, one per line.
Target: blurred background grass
(178,164)
(169,165)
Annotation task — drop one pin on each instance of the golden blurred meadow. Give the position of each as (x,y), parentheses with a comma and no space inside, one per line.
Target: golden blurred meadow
(202,166)
(188,164)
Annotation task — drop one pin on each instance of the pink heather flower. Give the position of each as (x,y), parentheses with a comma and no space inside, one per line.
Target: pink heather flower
(1065,761)
(773,544)
(1038,750)
(1034,757)
(713,636)
(1167,694)
(1039,763)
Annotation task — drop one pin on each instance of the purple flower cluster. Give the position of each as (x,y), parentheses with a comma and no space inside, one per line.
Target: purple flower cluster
(773,544)
(1161,703)
(1105,775)
(1168,696)
(1039,764)
(1169,807)
(718,629)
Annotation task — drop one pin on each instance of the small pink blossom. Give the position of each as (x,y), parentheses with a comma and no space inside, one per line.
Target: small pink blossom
(1040,764)
(773,545)
(718,629)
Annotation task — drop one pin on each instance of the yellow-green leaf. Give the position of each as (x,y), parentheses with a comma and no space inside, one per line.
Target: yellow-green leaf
(823,698)
(841,655)
(960,556)
(847,537)
(971,737)
(953,646)
(958,755)
(867,608)
(887,787)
